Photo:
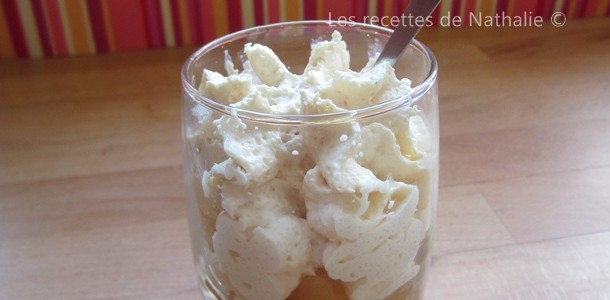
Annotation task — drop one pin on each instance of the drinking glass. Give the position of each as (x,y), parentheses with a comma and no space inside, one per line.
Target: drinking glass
(337,205)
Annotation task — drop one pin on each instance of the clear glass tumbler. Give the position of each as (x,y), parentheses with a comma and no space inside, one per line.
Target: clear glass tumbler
(334,205)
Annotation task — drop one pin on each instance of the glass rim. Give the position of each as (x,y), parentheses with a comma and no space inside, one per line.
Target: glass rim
(411,98)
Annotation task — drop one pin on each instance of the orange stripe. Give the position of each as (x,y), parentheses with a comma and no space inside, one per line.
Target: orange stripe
(570,10)
(603,7)
(221,19)
(266,11)
(577,8)
(387,8)
(28,21)
(510,10)
(487,7)
(320,10)
(78,26)
(6,45)
(184,23)
(108,26)
(291,10)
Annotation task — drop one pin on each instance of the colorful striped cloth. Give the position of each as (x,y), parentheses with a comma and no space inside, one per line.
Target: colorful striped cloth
(46,28)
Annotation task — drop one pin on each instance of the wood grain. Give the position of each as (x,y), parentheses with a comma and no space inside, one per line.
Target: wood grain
(566,268)
(92,202)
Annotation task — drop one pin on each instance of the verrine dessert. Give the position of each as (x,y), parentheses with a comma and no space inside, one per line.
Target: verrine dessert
(311,172)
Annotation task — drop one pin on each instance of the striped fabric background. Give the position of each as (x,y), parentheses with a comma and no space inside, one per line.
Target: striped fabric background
(46,28)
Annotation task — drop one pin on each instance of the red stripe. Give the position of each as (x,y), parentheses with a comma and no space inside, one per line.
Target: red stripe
(15,28)
(436,15)
(274,11)
(196,30)
(455,8)
(338,8)
(45,39)
(206,23)
(176,22)
(147,13)
(361,9)
(259,14)
(96,16)
(469,7)
(128,24)
(154,28)
(234,10)
(591,8)
(545,8)
(192,10)
(405,3)
(501,6)
(579,10)
(309,9)
(397,8)
(565,6)
(57,29)
(608,11)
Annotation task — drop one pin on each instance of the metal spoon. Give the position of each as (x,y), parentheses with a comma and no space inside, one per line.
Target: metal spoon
(406,31)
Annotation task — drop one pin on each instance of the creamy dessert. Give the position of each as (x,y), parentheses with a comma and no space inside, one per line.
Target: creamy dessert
(337,210)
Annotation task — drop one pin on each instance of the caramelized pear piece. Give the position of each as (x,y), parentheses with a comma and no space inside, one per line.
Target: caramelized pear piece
(319,287)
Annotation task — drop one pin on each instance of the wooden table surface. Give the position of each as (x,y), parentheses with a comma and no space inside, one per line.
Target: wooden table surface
(92,203)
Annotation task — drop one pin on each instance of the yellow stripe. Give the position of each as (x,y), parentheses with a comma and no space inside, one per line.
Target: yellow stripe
(168,27)
(87,22)
(446,8)
(66,26)
(32,38)
(603,7)
(6,45)
(558,5)
(511,8)
(184,22)
(282,10)
(266,11)
(247,13)
(221,20)
(108,26)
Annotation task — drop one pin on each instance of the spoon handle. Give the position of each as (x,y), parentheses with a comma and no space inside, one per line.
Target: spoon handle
(407,29)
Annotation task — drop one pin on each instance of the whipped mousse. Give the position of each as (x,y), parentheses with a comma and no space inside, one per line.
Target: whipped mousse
(282,204)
